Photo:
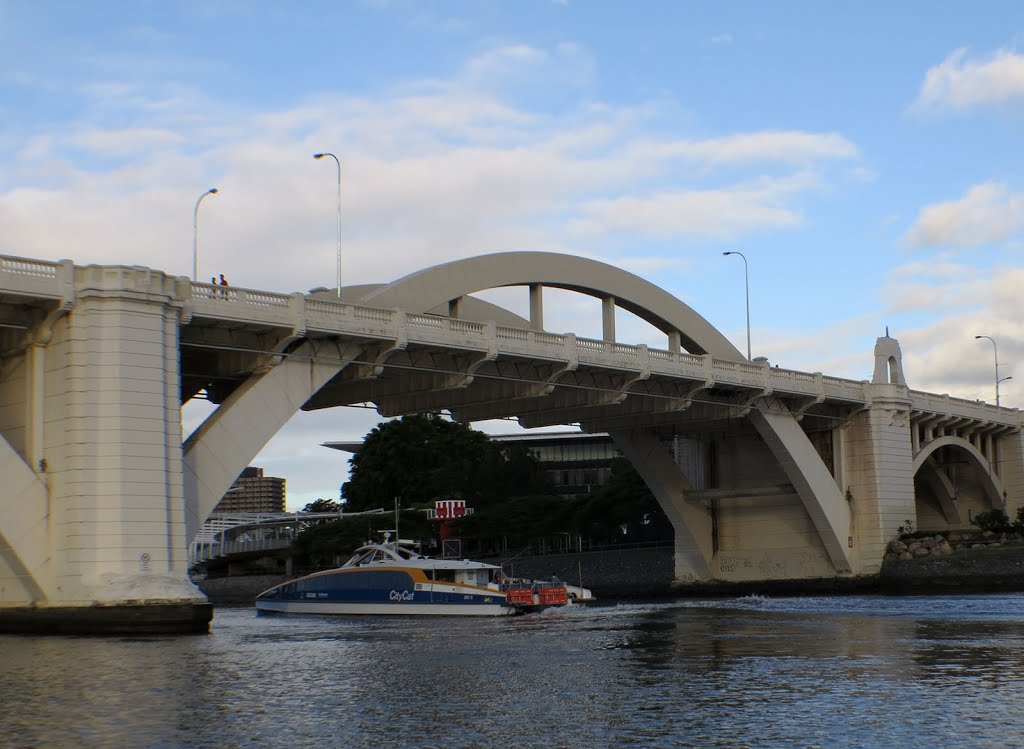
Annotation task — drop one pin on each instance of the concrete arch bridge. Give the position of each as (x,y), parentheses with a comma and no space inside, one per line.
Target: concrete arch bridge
(765,472)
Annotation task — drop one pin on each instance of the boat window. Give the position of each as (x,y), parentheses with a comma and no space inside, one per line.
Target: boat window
(444,576)
(475,577)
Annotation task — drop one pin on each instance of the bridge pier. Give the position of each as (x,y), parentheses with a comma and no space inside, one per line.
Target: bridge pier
(93,530)
(879,472)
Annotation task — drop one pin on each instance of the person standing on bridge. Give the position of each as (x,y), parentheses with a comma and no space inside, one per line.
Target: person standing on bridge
(224,282)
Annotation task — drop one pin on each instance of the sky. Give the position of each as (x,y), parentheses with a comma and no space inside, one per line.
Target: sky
(865,158)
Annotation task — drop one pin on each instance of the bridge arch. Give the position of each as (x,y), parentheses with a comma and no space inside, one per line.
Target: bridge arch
(990,485)
(436,286)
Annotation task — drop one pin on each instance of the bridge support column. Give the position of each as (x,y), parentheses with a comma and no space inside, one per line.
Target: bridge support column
(880,472)
(107,522)
(692,523)
(536,306)
(608,318)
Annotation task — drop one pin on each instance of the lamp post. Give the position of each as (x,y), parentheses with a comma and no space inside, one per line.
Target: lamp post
(195,233)
(995,354)
(338,162)
(746,286)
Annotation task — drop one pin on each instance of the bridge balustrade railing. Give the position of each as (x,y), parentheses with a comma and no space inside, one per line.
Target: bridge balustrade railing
(972,409)
(29,277)
(439,329)
(27,267)
(524,341)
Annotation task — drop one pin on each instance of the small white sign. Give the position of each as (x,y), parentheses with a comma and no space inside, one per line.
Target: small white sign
(144,560)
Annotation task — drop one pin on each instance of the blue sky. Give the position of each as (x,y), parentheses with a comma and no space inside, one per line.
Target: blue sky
(865,158)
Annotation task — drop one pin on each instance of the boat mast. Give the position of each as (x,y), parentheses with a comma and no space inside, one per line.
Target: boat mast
(398,536)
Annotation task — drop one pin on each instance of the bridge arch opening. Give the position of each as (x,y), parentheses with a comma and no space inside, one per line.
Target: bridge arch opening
(953,482)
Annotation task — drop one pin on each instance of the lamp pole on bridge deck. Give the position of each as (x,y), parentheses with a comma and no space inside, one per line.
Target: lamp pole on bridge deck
(195,234)
(319,156)
(746,286)
(995,354)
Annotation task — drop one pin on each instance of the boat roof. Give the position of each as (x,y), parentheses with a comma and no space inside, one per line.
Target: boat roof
(402,554)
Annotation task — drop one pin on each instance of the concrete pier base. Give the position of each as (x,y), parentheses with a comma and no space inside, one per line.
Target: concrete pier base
(118,619)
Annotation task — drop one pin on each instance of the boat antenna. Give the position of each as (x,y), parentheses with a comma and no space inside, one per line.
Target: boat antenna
(398,536)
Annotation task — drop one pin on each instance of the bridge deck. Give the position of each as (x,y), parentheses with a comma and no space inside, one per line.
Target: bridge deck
(208,305)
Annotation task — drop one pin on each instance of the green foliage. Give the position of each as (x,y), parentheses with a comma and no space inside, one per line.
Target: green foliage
(1018,524)
(906,530)
(996,521)
(323,505)
(422,458)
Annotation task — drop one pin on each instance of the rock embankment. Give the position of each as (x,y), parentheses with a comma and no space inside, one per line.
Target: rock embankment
(954,563)
(943,545)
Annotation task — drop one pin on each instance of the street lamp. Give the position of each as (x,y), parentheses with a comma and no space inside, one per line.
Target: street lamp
(746,286)
(995,354)
(336,161)
(195,233)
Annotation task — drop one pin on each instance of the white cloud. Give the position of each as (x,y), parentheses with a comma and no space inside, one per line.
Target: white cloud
(987,214)
(788,147)
(511,61)
(127,142)
(721,213)
(958,83)
(433,171)
(941,355)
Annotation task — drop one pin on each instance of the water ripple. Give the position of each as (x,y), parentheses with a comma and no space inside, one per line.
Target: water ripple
(750,672)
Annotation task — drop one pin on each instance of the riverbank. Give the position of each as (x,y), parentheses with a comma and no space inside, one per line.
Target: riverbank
(649,573)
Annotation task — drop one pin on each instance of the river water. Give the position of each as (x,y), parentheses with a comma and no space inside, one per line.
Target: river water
(855,671)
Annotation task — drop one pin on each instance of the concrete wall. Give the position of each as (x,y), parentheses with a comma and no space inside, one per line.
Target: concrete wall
(770,537)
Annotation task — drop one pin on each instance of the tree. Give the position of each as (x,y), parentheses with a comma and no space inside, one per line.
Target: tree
(422,458)
(323,505)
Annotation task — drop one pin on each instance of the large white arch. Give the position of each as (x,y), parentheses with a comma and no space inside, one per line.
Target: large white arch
(430,288)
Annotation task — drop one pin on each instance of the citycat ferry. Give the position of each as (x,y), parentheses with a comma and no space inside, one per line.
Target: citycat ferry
(391,577)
